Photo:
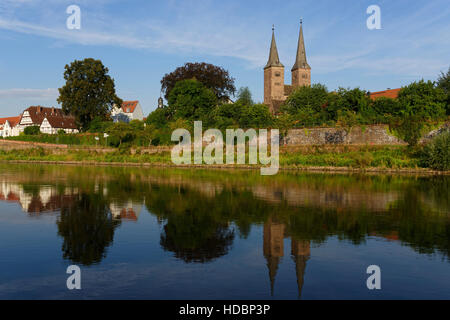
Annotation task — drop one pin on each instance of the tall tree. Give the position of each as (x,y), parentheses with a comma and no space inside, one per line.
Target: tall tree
(191,100)
(245,96)
(444,83)
(89,91)
(212,77)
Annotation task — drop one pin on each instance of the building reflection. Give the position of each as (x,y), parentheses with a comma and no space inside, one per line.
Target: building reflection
(200,219)
(273,250)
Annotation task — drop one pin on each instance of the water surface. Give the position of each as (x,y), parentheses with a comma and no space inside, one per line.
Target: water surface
(197,234)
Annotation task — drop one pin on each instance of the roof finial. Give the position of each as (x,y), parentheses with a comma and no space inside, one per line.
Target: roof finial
(273,27)
(301,20)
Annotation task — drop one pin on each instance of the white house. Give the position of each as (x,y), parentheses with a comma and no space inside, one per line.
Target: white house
(50,120)
(54,124)
(130,110)
(9,127)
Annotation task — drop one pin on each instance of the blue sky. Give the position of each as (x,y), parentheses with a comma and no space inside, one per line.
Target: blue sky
(140,41)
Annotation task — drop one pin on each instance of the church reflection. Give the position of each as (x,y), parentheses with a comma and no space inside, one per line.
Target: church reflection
(200,218)
(273,249)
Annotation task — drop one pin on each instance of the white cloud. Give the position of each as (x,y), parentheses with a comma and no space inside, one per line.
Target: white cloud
(29,93)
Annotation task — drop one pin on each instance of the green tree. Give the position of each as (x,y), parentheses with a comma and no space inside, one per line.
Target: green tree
(88,93)
(256,116)
(119,133)
(386,106)
(245,96)
(212,77)
(306,104)
(422,99)
(191,100)
(444,84)
(158,118)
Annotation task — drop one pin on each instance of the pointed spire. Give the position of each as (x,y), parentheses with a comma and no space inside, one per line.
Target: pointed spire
(300,61)
(274,60)
(272,265)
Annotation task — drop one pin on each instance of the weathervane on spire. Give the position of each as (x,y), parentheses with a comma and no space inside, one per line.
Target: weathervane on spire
(301,20)
(273,27)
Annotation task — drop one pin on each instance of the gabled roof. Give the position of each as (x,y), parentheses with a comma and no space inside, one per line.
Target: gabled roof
(13,121)
(390,93)
(62,122)
(129,106)
(56,117)
(300,60)
(274,60)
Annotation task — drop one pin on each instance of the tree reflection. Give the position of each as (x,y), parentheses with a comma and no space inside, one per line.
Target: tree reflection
(87,229)
(196,237)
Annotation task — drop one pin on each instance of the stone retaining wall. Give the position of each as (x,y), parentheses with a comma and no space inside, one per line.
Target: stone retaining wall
(372,135)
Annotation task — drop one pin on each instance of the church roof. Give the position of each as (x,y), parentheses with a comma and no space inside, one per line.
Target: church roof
(274,60)
(300,60)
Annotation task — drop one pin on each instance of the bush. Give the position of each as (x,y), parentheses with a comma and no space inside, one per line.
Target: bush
(410,129)
(32,131)
(436,154)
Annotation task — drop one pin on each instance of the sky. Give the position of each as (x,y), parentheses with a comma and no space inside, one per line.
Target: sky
(139,41)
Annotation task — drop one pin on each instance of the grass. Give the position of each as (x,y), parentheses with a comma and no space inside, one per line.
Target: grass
(389,157)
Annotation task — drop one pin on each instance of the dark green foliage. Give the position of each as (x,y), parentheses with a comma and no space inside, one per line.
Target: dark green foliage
(32,131)
(191,100)
(245,96)
(444,84)
(98,125)
(409,128)
(307,105)
(256,116)
(212,77)
(88,93)
(422,99)
(436,154)
(159,118)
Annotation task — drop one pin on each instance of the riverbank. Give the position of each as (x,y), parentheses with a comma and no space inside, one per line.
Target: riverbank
(377,159)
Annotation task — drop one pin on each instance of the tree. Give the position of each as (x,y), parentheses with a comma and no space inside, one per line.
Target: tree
(158,118)
(306,104)
(88,93)
(256,116)
(212,77)
(444,84)
(245,96)
(422,99)
(120,132)
(191,100)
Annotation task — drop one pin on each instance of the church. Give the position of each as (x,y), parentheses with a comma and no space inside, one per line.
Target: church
(275,90)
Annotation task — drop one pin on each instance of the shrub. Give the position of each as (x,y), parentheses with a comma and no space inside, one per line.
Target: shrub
(436,154)
(32,131)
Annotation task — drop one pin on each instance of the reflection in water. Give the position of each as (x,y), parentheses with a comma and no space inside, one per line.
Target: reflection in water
(203,211)
(87,228)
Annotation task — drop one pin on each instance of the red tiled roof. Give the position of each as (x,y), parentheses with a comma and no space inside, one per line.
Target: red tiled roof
(390,93)
(56,117)
(129,106)
(62,122)
(12,121)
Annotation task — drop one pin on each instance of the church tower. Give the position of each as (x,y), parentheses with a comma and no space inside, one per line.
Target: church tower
(273,77)
(301,71)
